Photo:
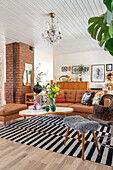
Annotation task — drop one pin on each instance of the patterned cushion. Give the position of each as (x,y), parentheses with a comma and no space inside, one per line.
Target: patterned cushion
(80,93)
(87,98)
(97,97)
(60,98)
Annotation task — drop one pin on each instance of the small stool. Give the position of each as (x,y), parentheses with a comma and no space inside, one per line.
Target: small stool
(82,125)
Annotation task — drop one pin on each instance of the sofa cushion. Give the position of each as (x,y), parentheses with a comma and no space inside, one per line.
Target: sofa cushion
(60,98)
(97,97)
(80,93)
(70,95)
(11,108)
(78,107)
(66,104)
(87,98)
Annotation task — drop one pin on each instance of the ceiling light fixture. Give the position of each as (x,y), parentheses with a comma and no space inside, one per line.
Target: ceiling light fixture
(52,33)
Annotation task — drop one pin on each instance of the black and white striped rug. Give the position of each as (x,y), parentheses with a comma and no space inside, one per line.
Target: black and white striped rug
(49,133)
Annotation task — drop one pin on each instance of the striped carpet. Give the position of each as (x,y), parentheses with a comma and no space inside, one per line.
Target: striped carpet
(49,132)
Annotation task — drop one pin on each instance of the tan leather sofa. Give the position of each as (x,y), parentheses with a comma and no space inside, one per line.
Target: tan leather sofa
(73,100)
(10,111)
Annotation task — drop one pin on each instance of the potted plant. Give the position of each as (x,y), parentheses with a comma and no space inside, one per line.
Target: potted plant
(81,70)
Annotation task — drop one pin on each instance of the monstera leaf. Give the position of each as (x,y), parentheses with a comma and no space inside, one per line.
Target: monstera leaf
(98,29)
(101,28)
(109,45)
(108,18)
(108,4)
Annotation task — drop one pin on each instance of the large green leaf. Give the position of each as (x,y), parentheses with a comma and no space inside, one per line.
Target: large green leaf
(98,29)
(108,4)
(111,53)
(109,45)
(111,30)
(107,18)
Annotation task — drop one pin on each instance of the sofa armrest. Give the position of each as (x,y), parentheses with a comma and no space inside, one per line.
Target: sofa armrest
(106,102)
(1,111)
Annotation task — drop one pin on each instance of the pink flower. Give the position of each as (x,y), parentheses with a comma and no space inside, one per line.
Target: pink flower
(46,92)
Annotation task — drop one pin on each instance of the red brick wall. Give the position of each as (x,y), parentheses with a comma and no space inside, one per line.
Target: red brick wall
(22,55)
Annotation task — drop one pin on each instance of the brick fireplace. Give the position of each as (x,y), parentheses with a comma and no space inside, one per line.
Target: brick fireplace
(17,54)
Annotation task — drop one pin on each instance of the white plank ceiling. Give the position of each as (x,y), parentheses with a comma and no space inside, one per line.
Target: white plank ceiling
(23,21)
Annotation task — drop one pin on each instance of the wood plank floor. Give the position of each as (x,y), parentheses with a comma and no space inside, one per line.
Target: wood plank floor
(17,156)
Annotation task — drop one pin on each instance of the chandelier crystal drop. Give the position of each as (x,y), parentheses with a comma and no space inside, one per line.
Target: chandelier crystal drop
(52,33)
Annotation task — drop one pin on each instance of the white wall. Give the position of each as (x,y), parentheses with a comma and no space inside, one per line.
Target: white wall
(43,54)
(2,69)
(85,58)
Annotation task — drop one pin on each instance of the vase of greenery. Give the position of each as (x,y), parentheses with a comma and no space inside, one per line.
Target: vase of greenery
(52,92)
(81,70)
(38,76)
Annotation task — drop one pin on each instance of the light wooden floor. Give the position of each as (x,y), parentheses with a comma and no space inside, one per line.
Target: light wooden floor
(17,156)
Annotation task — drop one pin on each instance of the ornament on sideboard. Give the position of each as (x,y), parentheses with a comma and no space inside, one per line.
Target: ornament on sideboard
(81,70)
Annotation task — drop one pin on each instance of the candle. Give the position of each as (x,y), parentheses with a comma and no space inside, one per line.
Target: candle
(35,104)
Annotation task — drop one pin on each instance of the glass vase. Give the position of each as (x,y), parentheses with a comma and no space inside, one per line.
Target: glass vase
(53,104)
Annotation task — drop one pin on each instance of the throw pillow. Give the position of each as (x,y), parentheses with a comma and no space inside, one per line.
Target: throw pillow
(97,97)
(87,98)
(60,98)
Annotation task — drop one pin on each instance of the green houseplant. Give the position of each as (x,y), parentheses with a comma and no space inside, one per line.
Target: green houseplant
(81,70)
(101,28)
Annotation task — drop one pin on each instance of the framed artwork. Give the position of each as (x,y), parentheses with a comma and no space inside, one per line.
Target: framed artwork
(108,67)
(27,74)
(75,70)
(64,68)
(98,73)
(69,68)
(86,69)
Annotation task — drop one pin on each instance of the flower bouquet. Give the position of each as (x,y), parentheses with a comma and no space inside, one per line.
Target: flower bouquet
(52,92)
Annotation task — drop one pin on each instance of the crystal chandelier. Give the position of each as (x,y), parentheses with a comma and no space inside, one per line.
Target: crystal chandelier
(52,33)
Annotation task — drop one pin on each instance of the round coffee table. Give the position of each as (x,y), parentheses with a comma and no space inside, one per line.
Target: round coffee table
(31,112)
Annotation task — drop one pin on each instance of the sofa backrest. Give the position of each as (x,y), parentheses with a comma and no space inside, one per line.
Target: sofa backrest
(70,95)
(80,93)
(75,96)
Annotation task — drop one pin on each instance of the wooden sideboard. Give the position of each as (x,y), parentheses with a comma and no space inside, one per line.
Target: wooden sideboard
(74,85)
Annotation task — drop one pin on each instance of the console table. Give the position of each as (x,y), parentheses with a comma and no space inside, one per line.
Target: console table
(74,85)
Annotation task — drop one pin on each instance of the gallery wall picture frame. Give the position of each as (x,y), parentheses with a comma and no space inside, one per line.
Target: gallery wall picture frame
(98,73)
(87,69)
(109,67)
(69,68)
(64,69)
(75,70)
